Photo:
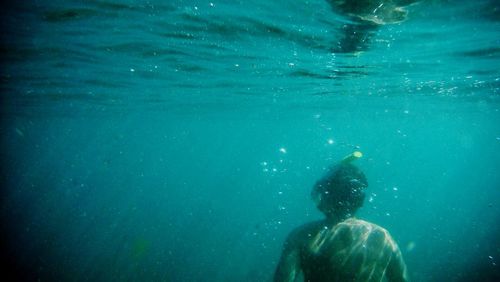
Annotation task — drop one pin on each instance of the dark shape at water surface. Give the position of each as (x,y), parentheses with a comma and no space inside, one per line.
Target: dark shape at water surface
(355,38)
(491,10)
(366,16)
(306,73)
(376,11)
(111,5)
(331,74)
(481,53)
(69,15)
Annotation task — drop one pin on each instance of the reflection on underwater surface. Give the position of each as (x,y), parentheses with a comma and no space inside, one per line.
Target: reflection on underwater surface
(144,141)
(366,16)
(129,55)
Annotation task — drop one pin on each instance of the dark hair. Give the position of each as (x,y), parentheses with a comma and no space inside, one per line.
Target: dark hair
(341,191)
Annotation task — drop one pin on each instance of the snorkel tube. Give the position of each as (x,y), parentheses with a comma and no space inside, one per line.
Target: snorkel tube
(351,157)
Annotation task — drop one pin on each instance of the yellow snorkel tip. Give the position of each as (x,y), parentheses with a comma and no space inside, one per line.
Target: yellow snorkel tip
(351,157)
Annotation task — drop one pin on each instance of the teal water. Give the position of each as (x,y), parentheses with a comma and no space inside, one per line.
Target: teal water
(179,140)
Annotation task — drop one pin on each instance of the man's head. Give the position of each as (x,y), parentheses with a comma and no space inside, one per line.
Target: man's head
(341,191)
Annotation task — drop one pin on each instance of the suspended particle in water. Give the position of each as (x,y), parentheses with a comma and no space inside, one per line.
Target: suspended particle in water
(492,261)
(330,141)
(19,132)
(282,150)
(411,245)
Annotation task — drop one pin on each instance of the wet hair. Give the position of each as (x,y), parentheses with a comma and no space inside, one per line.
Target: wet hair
(341,191)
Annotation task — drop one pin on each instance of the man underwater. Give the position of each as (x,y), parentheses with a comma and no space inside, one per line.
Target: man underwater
(341,247)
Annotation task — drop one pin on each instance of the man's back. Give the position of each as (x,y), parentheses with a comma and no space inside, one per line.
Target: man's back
(352,250)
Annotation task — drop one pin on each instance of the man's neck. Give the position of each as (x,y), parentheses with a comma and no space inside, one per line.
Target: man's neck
(334,219)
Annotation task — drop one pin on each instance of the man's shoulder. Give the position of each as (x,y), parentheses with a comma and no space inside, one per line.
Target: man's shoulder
(369,230)
(359,226)
(305,231)
(308,227)
(354,222)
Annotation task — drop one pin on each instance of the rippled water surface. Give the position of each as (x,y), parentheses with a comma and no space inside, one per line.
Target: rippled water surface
(179,140)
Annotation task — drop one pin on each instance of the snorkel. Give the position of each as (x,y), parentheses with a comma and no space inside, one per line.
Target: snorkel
(352,157)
